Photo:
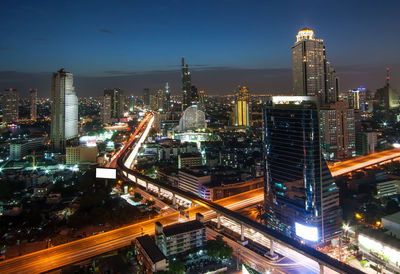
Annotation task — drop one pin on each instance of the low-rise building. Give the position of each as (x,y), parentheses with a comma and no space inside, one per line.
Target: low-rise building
(189,160)
(181,238)
(149,255)
(192,180)
(387,188)
(41,190)
(392,224)
(81,154)
(21,148)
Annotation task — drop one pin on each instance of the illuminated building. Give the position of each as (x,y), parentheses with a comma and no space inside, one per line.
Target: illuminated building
(149,255)
(32,103)
(202,104)
(161,98)
(338,136)
(113,105)
(386,102)
(301,197)
(19,149)
(64,110)
(81,154)
(192,119)
(167,104)
(189,91)
(242,111)
(181,238)
(9,105)
(312,74)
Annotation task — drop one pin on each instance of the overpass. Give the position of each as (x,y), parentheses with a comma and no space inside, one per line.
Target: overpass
(292,248)
(364,161)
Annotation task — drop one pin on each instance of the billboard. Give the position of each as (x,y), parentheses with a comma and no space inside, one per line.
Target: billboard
(106,173)
(309,233)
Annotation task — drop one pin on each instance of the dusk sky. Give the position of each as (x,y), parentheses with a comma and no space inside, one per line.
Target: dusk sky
(138,44)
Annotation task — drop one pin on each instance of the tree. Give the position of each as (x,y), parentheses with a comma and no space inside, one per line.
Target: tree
(176,266)
(137,196)
(150,202)
(218,249)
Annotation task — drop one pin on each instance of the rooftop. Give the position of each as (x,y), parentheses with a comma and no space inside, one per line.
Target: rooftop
(180,228)
(395,217)
(150,248)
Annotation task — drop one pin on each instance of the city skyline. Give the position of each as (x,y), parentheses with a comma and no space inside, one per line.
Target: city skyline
(144,52)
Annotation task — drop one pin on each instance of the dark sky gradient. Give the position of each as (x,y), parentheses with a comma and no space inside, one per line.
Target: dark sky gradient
(137,44)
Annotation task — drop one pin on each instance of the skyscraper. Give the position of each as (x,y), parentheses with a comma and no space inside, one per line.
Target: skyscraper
(146,97)
(242,106)
(338,136)
(386,102)
(202,103)
(64,110)
(301,197)
(186,85)
(9,105)
(312,74)
(115,99)
(33,99)
(167,104)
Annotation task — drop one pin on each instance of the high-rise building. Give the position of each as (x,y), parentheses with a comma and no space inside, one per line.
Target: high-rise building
(161,98)
(33,100)
(202,103)
(146,97)
(64,110)
(312,74)
(338,136)
(301,197)
(386,101)
(131,102)
(168,103)
(242,107)
(186,85)
(9,105)
(113,104)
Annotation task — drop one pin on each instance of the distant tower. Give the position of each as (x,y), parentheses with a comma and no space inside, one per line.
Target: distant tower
(242,107)
(386,102)
(167,103)
(202,104)
(64,110)
(33,100)
(9,105)
(312,74)
(146,97)
(186,85)
(113,106)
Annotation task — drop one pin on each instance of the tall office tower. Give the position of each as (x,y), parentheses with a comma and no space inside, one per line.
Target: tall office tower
(160,100)
(242,107)
(167,103)
(117,103)
(33,100)
(9,105)
(64,110)
(131,102)
(338,136)
(106,109)
(386,101)
(202,103)
(301,198)
(186,85)
(146,97)
(312,74)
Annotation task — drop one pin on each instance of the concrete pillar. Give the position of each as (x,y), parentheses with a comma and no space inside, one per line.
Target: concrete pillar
(241,232)
(218,221)
(271,247)
(173,199)
(321,268)
(147,186)
(159,193)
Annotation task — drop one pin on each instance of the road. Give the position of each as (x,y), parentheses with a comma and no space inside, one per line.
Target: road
(364,161)
(58,256)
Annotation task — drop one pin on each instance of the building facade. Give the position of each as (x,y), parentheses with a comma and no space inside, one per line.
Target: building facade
(19,149)
(181,238)
(312,74)
(149,255)
(338,136)
(242,107)
(32,103)
(301,197)
(81,154)
(113,105)
(64,110)
(9,105)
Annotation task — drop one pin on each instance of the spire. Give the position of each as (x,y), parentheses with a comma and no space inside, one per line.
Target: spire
(387,77)
(183,61)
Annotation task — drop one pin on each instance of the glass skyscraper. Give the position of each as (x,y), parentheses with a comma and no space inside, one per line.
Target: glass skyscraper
(64,110)
(301,197)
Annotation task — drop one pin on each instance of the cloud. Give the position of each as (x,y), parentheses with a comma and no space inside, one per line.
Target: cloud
(106,31)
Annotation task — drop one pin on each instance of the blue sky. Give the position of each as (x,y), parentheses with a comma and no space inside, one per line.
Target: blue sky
(113,40)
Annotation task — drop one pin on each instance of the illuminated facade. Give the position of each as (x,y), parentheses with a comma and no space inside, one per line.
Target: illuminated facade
(193,119)
(64,110)
(32,103)
(113,105)
(242,107)
(386,102)
(9,105)
(338,136)
(202,103)
(301,197)
(312,74)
